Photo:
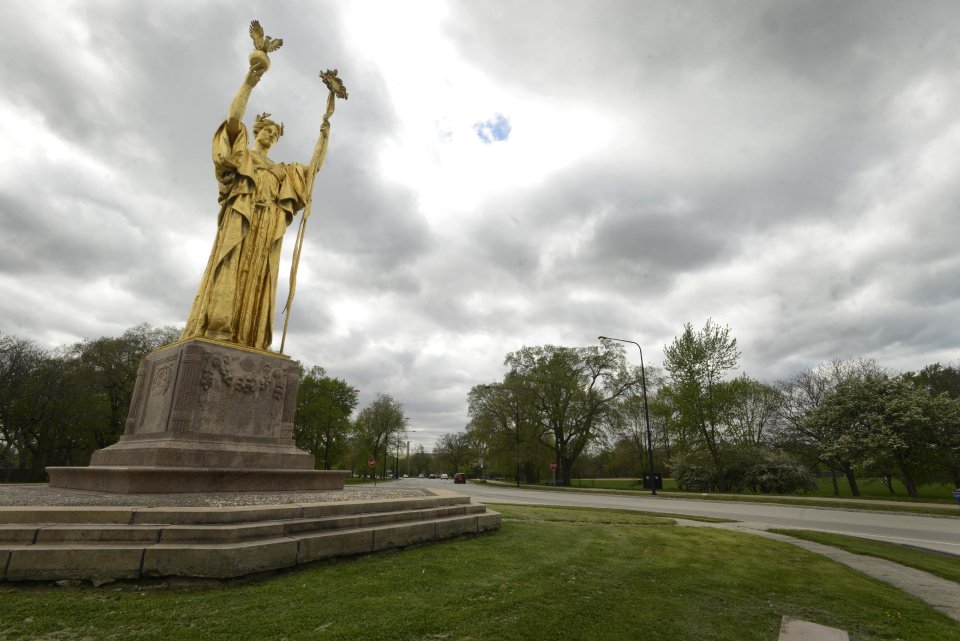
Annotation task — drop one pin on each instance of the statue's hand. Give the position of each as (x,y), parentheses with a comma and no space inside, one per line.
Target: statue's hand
(259,63)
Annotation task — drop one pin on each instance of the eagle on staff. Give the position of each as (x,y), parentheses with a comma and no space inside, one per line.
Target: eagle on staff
(263,43)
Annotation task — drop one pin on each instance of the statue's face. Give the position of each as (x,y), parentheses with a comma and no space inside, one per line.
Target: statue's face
(268,135)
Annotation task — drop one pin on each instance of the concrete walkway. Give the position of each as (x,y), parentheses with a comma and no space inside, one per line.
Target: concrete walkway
(941,594)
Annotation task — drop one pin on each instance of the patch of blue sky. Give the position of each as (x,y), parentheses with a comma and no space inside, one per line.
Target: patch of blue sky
(497,128)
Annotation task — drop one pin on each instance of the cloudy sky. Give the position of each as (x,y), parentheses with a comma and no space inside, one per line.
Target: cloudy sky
(503,174)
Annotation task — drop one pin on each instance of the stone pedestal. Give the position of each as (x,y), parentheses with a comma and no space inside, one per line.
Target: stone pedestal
(206,416)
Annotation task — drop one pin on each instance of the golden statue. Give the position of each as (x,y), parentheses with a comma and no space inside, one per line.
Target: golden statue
(258,200)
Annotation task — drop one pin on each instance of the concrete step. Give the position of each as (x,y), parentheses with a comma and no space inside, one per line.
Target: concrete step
(48,533)
(196,515)
(222,542)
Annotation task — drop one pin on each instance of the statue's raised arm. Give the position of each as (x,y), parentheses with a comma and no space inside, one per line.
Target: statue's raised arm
(259,64)
(336,90)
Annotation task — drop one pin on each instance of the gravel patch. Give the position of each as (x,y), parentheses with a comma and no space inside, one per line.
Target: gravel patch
(21,495)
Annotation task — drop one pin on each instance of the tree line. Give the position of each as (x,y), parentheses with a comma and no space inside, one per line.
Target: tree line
(582,410)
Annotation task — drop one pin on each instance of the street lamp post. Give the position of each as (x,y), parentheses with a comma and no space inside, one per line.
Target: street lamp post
(646,410)
(396,461)
(408,450)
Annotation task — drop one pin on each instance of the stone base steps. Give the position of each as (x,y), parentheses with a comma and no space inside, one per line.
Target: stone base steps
(103,544)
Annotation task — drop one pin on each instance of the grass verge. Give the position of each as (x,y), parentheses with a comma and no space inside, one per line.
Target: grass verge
(872,506)
(870,488)
(366,481)
(945,566)
(572,514)
(550,573)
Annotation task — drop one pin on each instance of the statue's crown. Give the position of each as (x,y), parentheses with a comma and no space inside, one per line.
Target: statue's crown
(265,117)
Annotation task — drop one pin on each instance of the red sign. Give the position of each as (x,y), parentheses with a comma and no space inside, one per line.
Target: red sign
(553,466)
(372,462)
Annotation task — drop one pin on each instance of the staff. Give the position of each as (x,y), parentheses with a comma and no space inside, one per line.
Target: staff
(337,90)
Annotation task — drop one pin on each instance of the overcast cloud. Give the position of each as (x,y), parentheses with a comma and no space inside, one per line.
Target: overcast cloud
(503,174)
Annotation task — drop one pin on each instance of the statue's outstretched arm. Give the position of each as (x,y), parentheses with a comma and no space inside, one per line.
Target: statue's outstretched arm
(320,151)
(337,90)
(258,66)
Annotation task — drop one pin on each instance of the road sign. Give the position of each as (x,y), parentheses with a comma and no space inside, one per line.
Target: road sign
(371,462)
(553,466)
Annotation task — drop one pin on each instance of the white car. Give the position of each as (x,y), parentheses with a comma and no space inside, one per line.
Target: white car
(444,477)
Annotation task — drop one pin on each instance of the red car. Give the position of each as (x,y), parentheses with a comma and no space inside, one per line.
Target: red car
(459,477)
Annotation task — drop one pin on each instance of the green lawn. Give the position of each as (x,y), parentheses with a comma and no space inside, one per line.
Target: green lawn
(946,566)
(620,484)
(870,488)
(551,573)
(873,488)
(784,499)
(367,481)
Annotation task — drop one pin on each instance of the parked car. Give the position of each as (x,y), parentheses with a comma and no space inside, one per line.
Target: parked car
(459,477)
(444,477)
(433,476)
(420,475)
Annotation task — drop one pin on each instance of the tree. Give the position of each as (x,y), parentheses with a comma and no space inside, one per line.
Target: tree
(453,451)
(571,391)
(322,422)
(697,362)
(799,397)
(886,422)
(112,363)
(420,461)
(57,406)
(503,417)
(751,411)
(20,360)
(948,440)
(937,379)
(628,423)
(480,451)
(376,424)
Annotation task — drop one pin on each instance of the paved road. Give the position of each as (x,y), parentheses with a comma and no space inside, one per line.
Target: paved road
(934,533)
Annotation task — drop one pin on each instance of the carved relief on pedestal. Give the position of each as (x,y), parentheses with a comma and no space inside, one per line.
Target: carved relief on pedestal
(287,387)
(245,391)
(203,388)
(158,388)
(161,380)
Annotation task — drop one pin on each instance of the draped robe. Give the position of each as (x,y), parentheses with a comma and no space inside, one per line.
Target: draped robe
(258,199)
